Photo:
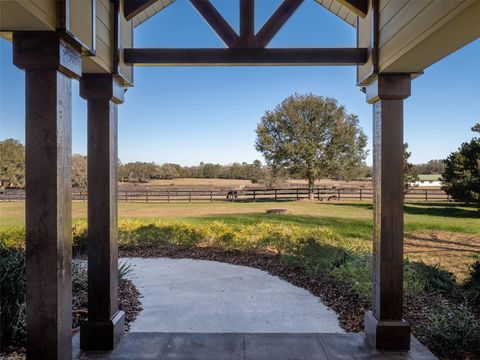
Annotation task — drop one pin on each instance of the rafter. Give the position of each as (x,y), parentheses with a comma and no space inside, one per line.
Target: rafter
(358,7)
(245,56)
(135,7)
(276,21)
(216,21)
(247,23)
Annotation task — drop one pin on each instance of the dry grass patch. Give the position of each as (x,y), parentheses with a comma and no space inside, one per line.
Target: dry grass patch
(453,252)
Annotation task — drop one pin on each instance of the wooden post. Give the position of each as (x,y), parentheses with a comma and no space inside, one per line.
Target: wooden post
(168,196)
(384,325)
(426,195)
(275,194)
(361,197)
(211,196)
(254,196)
(297,195)
(105,322)
(50,63)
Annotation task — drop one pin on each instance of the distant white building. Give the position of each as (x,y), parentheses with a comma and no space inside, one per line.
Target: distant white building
(433,180)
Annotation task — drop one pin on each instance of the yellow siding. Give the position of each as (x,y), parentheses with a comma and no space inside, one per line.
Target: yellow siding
(365,40)
(28,15)
(405,23)
(103,61)
(456,29)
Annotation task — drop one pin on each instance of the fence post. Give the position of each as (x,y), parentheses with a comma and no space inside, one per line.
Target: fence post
(297,194)
(126,196)
(146,196)
(275,194)
(190,196)
(361,198)
(338,191)
(168,196)
(318,194)
(426,195)
(254,197)
(211,196)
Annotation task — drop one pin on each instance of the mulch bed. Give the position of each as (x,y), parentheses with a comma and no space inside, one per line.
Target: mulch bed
(128,301)
(339,297)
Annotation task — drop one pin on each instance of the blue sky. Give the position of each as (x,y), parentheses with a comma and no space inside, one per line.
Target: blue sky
(191,114)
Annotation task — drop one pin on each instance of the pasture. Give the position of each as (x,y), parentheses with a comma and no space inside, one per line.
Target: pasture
(444,234)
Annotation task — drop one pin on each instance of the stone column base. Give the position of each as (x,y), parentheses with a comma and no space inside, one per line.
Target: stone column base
(387,335)
(102,335)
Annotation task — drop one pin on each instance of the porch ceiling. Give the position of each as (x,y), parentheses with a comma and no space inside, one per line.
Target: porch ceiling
(334,6)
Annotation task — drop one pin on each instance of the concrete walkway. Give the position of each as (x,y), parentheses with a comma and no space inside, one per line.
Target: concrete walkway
(207,296)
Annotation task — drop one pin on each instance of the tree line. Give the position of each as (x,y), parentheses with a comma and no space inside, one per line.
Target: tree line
(304,137)
(145,171)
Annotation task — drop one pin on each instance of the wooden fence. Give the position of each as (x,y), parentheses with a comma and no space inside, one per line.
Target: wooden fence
(247,195)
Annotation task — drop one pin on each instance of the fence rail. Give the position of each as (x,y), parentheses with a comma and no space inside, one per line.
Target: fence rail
(246,195)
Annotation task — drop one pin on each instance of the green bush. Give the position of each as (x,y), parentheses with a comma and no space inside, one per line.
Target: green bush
(449,331)
(422,278)
(12,291)
(472,285)
(358,274)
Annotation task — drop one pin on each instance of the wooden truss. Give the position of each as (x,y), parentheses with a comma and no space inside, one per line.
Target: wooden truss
(246,48)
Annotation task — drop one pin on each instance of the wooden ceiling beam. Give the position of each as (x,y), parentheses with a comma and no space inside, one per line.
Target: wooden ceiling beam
(247,23)
(358,7)
(216,21)
(276,21)
(135,7)
(245,56)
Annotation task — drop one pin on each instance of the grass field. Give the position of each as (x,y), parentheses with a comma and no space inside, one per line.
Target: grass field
(437,233)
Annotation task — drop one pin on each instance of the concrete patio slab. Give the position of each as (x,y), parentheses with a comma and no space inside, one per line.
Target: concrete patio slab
(215,346)
(182,295)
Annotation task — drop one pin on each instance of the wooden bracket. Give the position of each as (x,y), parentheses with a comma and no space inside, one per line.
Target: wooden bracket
(216,21)
(276,21)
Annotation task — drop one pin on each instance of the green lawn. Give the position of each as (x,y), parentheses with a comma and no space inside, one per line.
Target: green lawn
(350,219)
(444,234)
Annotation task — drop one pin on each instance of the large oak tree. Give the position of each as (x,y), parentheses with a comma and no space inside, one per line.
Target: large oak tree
(312,137)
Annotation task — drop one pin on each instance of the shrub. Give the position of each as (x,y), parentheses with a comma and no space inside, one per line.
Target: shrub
(124,269)
(358,274)
(12,238)
(422,278)
(449,330)
(472,285)
(12,290)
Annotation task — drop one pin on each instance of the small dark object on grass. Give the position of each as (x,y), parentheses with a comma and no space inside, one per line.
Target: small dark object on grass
(276,211)
(333,197)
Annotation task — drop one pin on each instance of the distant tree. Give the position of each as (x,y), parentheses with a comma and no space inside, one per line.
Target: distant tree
(79,170)
(168,171)
(312,137)
(138,171)
(409,171)
(12,163)
(431,167)
(273,176)
(461,178)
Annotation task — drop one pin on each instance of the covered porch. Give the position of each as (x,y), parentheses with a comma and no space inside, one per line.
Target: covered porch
(91,41)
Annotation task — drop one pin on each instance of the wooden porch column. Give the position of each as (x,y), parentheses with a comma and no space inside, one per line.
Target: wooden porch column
(105,324)
(49,64)
(384,325)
